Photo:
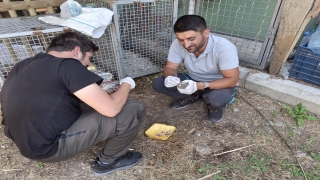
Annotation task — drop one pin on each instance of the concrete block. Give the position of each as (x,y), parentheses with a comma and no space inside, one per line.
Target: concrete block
(283,90)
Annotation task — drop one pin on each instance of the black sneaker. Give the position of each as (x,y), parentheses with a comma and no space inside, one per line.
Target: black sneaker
(126,161)
(183,102)
(214,114)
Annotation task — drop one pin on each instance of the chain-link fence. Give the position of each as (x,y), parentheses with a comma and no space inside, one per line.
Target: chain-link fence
(139,41)
(144,30)
(250,24)
(137,45)
(32,36)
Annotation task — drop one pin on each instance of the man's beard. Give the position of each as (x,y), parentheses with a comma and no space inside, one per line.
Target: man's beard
(196,47)
(82,58)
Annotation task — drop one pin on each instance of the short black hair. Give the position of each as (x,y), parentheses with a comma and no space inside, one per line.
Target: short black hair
(190,22)
(67,41)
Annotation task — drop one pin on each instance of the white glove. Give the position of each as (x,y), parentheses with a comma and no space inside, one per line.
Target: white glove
(171,81)
(128,80)
(187,87)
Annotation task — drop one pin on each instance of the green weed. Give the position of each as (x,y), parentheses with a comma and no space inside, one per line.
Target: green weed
(315,156)
(206,169)
(274,112)
(295,171)
(304,147)
(292,134)
(259,162)
(310,139)
(300,113)
(39,165)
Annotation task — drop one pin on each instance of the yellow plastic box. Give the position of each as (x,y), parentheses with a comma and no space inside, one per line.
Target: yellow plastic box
(160,131)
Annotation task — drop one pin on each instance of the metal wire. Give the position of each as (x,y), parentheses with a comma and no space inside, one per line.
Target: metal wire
(32,36)
(145,34)
(245,23)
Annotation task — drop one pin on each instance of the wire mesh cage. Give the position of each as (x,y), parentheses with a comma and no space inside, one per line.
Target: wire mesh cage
(144,30)
(32,36)
(250,24)
(137,46)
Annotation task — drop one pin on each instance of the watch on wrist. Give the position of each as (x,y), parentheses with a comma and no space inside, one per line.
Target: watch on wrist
(206,85)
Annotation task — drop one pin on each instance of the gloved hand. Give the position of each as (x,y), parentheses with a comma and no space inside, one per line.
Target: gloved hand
(187,87)
(128,80)
(171,81)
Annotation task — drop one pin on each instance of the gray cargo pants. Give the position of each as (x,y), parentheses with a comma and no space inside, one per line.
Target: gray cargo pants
(218,98)
(92,127)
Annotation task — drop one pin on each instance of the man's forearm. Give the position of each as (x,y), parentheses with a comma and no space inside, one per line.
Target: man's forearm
(223,83)
(169,72)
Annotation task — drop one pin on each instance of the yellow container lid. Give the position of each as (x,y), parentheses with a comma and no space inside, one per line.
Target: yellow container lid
(160,131)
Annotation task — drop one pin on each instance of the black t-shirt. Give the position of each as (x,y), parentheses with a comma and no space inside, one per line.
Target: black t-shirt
(38,103)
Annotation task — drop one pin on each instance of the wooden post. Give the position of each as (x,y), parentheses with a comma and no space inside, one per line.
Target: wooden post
(294,18)
(32,11)
(12,13)
(50,10)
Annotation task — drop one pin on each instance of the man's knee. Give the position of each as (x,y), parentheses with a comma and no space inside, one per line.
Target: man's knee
(136,105)
(158,83)
(131,116)
(218,98)
(135,108)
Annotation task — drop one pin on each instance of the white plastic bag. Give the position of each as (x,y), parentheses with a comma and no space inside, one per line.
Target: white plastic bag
(70,8)
(285,70)
(92,21)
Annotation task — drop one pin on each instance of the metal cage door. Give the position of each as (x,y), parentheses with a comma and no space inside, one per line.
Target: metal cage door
(144,31)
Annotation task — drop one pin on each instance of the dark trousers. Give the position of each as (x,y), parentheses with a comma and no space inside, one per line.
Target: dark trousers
(92,127)
(218,98)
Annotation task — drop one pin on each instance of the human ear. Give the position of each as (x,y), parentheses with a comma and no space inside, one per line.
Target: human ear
(206,33)
(77,52)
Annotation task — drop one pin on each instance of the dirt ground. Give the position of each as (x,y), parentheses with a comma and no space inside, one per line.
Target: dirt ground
(259,150)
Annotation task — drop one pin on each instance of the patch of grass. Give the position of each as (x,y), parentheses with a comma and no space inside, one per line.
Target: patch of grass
(39,165)
(315,156)
(259,162)
(295,171)
(292,134)
(304,147)
(310,139)
(205,170)
(274,113)
(300,113)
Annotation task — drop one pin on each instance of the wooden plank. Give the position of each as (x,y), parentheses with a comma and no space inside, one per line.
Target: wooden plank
(41,9)
(294,18)
(12,12)
(20,5)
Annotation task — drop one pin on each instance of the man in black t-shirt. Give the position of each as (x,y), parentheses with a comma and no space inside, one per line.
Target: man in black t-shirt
(53,108)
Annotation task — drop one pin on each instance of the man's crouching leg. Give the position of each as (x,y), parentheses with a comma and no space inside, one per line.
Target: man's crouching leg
(216,100)
(115,155)
(92,128)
